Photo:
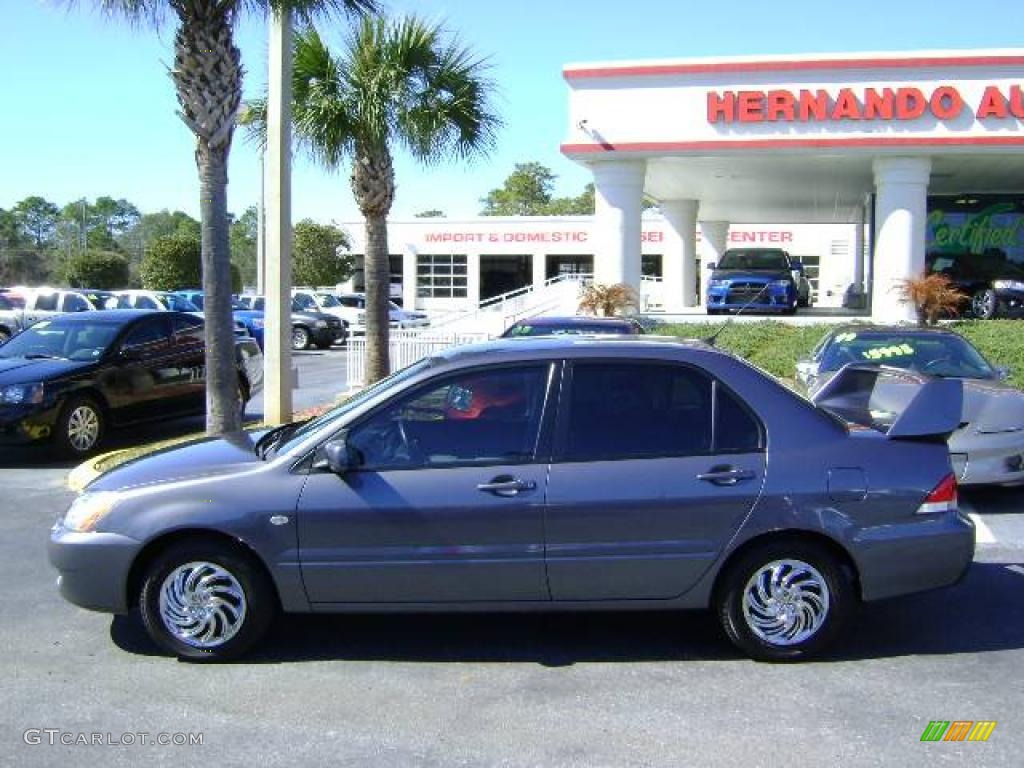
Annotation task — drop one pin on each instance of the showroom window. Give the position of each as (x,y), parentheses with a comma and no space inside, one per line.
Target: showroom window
(441,276)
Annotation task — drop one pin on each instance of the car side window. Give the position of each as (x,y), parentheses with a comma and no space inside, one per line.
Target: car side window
(737,430)
(348,301)
(46,302)
(472,418)
(628,410)
(124,302)
(149,336)
(304,301)
(188,331)
(75,303)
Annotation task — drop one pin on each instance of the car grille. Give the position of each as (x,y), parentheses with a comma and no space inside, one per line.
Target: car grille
(743,292)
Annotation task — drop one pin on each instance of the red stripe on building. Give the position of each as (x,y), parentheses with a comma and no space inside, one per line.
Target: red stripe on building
(794,65)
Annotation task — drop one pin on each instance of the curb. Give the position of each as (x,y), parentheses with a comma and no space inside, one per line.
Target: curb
(86,472)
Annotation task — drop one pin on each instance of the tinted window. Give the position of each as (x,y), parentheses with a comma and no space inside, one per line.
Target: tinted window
(736,428)
(148,335)
(75,303)
(619,411)
(304,301)
(481,417)
(258,304)
(144,302)
(349,301)
(187,330)
(46,302)
(5,304)
(937,354)
(753,259)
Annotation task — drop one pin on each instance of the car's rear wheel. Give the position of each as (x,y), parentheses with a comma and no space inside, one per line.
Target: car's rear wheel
(785,600)
(205,601)
(79,428)
(300,338)
(984,304)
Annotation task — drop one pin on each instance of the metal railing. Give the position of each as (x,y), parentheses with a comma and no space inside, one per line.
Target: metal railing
(405,348)
(521,301)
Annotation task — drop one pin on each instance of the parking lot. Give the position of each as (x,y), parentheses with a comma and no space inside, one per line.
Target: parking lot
(583,689)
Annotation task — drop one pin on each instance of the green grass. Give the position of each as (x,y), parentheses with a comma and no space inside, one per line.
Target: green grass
(775,346)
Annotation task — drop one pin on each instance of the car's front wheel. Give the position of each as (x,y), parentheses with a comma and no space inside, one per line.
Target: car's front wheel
(79,428)
(301,338)
(784,600)
(984,304)
(205,601)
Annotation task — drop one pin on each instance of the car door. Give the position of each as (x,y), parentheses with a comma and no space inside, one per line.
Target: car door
(39,306)
(446,501)
(189,356)
(143,376)
(655,467)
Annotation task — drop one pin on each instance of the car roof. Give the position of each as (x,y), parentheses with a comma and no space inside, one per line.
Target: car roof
(895,329)
(577,345)
(112,316)
(541,320)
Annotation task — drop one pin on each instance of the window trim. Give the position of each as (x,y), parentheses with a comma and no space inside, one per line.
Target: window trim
(561,435)
(545,428)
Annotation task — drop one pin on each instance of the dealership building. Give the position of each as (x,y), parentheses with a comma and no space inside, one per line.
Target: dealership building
(860,165)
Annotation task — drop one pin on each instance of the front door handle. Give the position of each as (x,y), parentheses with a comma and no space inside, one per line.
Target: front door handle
(506,485)
(725,475)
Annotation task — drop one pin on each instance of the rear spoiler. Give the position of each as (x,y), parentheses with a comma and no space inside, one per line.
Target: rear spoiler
(900,403)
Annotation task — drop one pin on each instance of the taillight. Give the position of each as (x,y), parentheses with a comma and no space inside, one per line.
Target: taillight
(942,498)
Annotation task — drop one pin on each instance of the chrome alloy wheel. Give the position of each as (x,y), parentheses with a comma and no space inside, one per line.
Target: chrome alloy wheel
(785,602)
(202,604)
(83,428)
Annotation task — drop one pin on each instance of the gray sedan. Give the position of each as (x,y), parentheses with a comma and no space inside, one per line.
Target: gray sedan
(988,447)
(536,474)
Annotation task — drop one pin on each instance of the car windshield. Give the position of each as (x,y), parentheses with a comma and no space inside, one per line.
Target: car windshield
(573,329)
(195,298)
(327,300)
(937,354)
(753,260)
(304,430)
(71,341)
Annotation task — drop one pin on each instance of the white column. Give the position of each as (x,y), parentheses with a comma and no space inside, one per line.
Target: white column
(901,187)
(540,270)
(409,278)
(473,279)
(618,203)
(679,261)
(277,363)
(714,237)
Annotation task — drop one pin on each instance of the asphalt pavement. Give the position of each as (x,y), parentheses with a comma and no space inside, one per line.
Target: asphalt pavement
(511,690)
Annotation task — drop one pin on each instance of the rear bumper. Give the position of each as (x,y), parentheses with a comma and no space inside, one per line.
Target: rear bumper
(990,459)
(925,553)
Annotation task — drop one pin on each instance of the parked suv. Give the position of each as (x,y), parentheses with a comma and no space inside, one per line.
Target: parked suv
(992,284)
(761,279)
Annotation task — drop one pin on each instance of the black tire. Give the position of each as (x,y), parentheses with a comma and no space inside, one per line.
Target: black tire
(254,619)
(790,310)
(984,304)
(80,418)
(838,599)
(301,338)
(323,345)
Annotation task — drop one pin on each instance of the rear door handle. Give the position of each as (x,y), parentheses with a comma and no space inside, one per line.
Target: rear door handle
(506,485)
(725,475)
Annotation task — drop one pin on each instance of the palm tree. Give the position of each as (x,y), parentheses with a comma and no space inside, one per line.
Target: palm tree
(398,82)
(207,76)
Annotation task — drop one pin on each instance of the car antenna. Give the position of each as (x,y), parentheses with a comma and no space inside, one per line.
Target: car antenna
(710,340)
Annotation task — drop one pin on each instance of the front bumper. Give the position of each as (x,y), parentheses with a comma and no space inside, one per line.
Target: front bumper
(93,568)
(928,552)
(731,296)
(24,424)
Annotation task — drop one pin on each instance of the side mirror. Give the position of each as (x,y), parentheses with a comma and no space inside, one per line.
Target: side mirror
(798,266)
(1003,372)
(337,456)
(711,265)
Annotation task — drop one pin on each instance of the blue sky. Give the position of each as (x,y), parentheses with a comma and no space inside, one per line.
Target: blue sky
(88,107)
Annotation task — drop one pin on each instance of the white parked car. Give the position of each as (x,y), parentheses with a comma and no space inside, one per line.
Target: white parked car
(352,308)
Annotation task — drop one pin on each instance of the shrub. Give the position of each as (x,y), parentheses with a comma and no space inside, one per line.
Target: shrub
(608,300)
(172,263)
(934,297)
(315,259)
(104,270)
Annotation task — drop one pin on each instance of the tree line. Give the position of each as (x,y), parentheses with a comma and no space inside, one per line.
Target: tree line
(108,243)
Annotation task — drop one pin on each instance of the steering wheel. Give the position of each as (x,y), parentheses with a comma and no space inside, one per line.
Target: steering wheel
(932,363)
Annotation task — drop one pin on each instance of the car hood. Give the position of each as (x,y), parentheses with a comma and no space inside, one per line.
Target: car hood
(204,458)
(19,370)
(758,275)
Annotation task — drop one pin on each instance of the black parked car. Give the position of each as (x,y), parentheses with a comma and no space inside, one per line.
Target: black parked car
(992,284)
(67,378)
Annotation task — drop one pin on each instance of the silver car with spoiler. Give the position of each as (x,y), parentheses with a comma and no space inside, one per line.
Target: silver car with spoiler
(565,473)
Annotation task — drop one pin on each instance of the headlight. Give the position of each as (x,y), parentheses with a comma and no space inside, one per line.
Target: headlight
(16,394)
(718,283)
(320,323)
(88,509)
(257,322)
(780,284)
(1009,285)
